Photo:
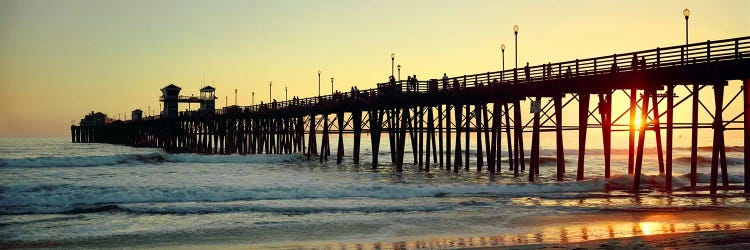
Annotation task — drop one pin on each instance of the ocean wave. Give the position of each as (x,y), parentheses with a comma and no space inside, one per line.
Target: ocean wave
(62,198)
(705,161)
(155,157)
(224,207)
(67,198)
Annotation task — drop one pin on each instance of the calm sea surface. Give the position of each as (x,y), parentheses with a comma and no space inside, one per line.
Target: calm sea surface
(56,193)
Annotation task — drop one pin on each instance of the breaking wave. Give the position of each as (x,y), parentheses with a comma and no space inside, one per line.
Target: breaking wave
(156,157)
(22,199)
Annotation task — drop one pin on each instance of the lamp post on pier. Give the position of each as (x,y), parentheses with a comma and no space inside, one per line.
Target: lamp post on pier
(502,51)
(253,94)
(331,85)
(515,33)
(399,72)
(686,13)
(393,60)
(270,83)
(235,97)
(286,94)
(318,83)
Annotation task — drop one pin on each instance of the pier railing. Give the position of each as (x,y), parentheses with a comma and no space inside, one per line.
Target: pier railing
(694,53)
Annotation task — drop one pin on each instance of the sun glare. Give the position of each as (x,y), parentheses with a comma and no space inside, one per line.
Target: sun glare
(649,228)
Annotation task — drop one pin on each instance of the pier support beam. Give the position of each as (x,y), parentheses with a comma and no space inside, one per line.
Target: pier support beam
(430,138)
(448,144)
(478,110)
(583,117)
(718,150)
(657,132)
(325,142)
(419,120)
(534,161)
(402,139)
(492,158)
(467,126)
(357,116)
(559,138)
(670,121)
(605,110)
(440,134)
(390,116)
(313,145)
(641,140)
(631,133)
(694,138)
(518,128)
(376,128)
(340,146)
(746,134)
(511,164)
(459,125)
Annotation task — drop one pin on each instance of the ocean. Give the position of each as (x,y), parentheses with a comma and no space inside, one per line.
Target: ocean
(54,193)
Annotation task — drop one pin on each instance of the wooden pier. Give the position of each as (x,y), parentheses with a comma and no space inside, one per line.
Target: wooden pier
(442,118)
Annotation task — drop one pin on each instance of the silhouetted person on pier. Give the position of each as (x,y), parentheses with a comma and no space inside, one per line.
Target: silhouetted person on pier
(391,84)
(643,63)
(414,83)
(445,81)
(634,62)
(568,73)
(408,83)
(456,84)
(527,72)
(549,70)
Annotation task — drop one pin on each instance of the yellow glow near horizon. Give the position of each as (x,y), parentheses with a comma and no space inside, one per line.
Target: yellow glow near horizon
(62,59)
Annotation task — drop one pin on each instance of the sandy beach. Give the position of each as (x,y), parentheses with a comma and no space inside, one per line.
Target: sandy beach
(735,239)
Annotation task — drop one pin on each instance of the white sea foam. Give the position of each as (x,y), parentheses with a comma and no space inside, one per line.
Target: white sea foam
(155,157)
(62,198)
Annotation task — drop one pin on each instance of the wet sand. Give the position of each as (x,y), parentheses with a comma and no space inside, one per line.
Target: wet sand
(695,228)
(736,239)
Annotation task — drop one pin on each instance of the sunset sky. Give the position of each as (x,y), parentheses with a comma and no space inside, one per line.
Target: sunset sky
(62,59)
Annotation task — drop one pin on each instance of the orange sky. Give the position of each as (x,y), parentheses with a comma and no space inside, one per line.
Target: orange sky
(61,59)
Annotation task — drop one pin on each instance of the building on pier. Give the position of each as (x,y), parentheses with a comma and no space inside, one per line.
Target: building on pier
(208,99)
(136,115)
(170,97)
(94,119)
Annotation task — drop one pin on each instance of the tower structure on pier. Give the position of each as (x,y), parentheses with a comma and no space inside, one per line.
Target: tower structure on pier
(136,115)
(170,96)
(208,99)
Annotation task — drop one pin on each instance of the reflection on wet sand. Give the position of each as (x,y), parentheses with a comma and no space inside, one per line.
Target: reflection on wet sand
(571,228)
(551,235)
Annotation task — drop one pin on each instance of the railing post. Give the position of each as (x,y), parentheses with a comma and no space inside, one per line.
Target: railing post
(576,67)
(708,51)
(658,57)
(736,49)
(682,55)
